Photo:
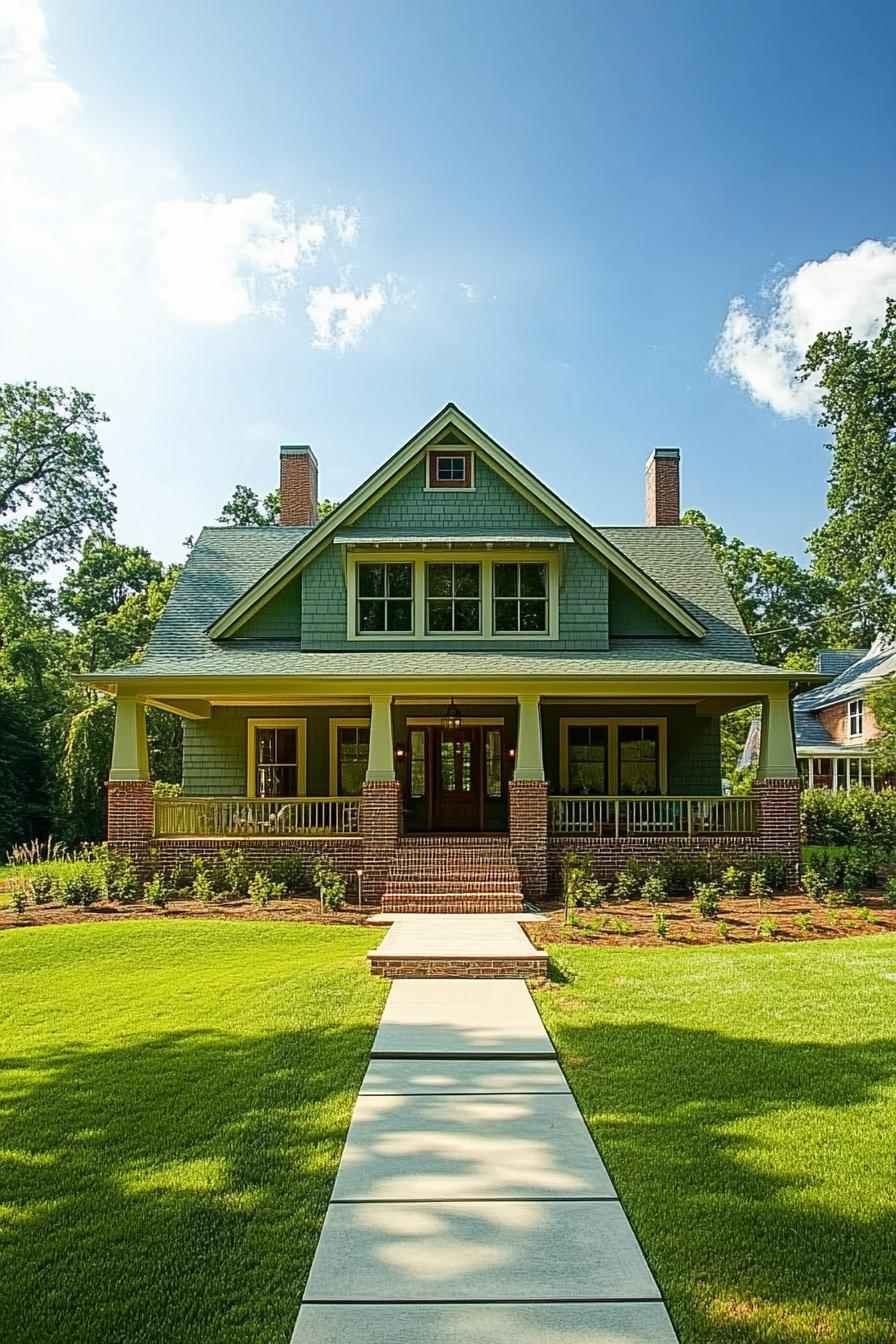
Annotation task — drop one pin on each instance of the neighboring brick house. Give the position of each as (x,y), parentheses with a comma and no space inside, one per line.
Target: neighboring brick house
(835,724)
(450,680)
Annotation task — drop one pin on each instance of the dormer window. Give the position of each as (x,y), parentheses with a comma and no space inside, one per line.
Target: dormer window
(450,469)
(856,718)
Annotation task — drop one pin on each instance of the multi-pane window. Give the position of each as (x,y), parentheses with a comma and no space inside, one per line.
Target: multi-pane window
(385,599)
(587,746)
(418,763)
(353,748)
(493,759)
(521,598)
(453,599)
(856,710)
(276,762)
(639,758)
(451,468)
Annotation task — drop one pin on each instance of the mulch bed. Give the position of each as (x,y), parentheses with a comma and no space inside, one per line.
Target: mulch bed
(298,909)
(685,928)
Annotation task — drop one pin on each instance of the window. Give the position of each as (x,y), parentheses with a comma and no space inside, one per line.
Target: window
(856,711)
(450,470)
(521,598)
(588,752)
(452,599)
(639,757)
(276,762)
(418,763)
(493,758)
(352,750)
(385,599)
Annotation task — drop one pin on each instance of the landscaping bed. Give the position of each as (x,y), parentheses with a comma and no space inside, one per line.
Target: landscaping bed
(296,909)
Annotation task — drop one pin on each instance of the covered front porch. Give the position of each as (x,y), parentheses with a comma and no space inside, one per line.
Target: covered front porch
(546,767)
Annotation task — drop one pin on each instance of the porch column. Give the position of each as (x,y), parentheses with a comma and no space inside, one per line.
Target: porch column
(529,760)
(130,759)
(381,760)
(777,784)
(129,800)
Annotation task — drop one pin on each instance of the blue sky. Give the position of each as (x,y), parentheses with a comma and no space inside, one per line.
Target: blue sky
(596,228)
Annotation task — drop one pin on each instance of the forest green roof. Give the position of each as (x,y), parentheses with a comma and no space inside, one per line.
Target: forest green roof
(226,560)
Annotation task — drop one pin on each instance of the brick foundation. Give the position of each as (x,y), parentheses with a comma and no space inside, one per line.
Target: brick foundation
(779,820)
(130,813)
(381,825)
(610,855)
(527,815)
(346,854)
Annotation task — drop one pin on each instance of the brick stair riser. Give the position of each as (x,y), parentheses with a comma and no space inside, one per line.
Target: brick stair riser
(467,968)
(452,885)
(416,905)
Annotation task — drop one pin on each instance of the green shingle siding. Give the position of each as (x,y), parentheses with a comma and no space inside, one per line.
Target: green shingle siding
(281,618)
(630,616)
(215,749)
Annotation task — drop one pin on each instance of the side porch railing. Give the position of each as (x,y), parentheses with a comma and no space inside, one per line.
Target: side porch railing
(617,817)
(256,817)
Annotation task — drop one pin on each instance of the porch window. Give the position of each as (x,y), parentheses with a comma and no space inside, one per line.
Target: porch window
(352,750)
(385,599)
(276,762)
(639,758)
(521,598)
(856,710)
(453,601)
(588,753)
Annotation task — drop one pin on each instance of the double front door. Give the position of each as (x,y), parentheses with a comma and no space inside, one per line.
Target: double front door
(453,774)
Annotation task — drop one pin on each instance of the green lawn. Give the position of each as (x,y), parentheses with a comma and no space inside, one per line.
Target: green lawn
(174,1098)
(744,1100)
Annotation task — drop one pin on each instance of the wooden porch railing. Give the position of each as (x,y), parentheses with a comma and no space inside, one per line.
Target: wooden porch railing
(672,816)
(258,817)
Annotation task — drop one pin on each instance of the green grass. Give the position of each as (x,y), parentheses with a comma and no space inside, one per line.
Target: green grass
(173,1103)
(744,1100)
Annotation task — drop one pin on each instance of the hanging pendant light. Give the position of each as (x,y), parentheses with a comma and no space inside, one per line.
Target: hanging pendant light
(452,716)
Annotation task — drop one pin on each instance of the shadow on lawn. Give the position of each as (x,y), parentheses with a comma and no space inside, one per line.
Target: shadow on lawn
(170,1190)
(742,1249)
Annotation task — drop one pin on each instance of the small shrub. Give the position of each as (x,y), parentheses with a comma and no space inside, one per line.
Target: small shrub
(593,894)
(853,887)
(18,898)
(803,922)
(202,888)
(767,928)
(620,926)
(660,924)
(654,890)
(889,897)
(44,887)
(81,884)
(815,885)
(290,870)
(864,914)
(680,875)
(262,889)
(735,881)
(759,887)
(121,878)
(156,891)
(776,870)
(629,882)
(182,877)
(330,885)
(234,872)
(723,930)
(707,899)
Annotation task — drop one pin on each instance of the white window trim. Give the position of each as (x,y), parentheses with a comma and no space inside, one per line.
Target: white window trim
(335,725)
(486,561)
(450,452)
(613,725)
(301,748)
(855,709)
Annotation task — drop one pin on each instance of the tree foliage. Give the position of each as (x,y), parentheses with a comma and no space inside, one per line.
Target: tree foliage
(856,545)
(882,702)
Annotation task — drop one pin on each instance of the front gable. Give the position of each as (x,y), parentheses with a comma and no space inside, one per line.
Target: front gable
(504,506)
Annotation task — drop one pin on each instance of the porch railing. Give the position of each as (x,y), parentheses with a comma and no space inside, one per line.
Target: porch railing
(257,817)
(660,816)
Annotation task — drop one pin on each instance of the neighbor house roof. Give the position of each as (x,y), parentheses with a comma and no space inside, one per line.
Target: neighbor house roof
(835,661)
(225,560)
(871,667)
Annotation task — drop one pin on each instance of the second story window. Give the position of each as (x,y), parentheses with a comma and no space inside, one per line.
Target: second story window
(451,470)
(521,599)
(856,714)
(453,601)
(385,599)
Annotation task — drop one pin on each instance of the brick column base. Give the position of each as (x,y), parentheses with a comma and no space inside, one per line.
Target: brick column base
(779,820)
(381,825)
(131,818)
(527,815)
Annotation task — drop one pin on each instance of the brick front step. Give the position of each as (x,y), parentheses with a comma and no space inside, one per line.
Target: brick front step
(464,874)
(454,884)
(433,903)
(467,968)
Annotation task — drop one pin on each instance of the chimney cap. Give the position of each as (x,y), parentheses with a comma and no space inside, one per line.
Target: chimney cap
(673,453)
(297,450)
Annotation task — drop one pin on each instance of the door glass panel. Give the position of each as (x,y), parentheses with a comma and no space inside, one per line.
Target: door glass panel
(639,754)
(447,765)
(466,754)
(493,762)
(588,750)
(418,763)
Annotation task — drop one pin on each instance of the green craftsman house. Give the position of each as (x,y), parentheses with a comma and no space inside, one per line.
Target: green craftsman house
(448,681)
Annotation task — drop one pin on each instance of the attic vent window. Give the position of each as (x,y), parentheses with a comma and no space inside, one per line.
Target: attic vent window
(450,470)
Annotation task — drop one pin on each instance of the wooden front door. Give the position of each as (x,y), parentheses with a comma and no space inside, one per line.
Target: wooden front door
(457,779)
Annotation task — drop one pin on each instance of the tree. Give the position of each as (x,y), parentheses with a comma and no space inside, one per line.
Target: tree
(54,486)
(882,703)
(245,509)
(107,575)
(857,544)
(781,602)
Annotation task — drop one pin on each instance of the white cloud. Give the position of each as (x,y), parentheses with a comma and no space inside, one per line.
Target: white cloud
(470,292)
(340,317)
(32,96)
(219,260)
(346,224)
(762,353)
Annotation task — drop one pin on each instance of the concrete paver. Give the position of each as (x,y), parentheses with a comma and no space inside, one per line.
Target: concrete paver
(461,1017)
(403,1077)
(486,1323)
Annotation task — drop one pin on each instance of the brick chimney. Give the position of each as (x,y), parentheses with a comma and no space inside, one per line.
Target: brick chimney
(661,480)
(298,485)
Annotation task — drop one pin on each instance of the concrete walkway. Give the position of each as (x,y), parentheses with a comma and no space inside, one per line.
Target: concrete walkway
(470,1203)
